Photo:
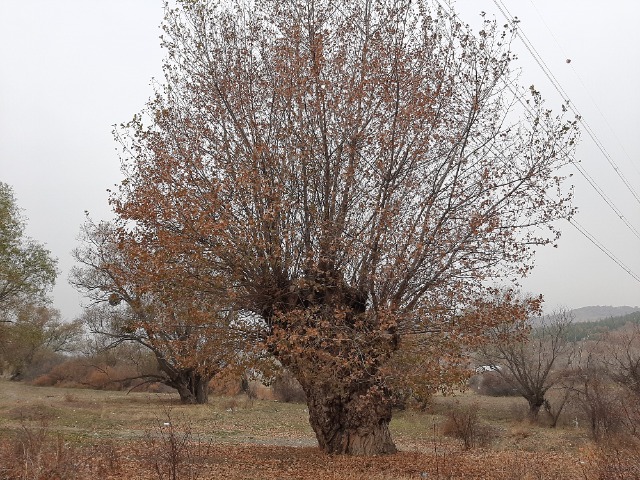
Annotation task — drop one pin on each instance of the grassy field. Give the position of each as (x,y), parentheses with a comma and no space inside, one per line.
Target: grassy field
(72,433)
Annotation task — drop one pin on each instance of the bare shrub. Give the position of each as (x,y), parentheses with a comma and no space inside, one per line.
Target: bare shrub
(519,412)
(250,387)
(45,380)
(520,431)
(235,403)
(32,411)
(97,373)
(464,424)
(254,388)
(474,382)
(41,363)
(71,373)
(616,459)
(173,450)
(287,389)
(34,453)
(601,403)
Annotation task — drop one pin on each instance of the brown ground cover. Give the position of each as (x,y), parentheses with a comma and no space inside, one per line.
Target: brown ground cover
(71,433)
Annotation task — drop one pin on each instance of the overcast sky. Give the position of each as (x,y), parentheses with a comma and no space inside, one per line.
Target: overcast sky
(71,69)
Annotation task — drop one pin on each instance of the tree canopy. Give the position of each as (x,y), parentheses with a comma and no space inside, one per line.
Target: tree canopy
(355,178)
(27,269)
(192,337)
(36,334)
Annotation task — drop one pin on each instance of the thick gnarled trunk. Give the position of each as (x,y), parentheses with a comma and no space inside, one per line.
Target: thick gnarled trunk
(535,404)
(353,421)
(192,388)
(336,349)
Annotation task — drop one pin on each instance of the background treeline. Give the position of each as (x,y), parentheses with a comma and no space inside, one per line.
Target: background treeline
(582,330)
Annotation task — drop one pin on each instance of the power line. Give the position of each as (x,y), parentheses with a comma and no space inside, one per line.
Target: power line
(554,81)
(589,179)
(584,173)
(584,86)
(602,248)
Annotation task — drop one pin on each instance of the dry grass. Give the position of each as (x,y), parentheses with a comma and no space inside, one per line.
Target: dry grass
(99,433)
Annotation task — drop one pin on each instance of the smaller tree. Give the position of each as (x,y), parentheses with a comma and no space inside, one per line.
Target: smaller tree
(614,366)
(535,361)
(187,346)
(35,332)
(596,393)
(140,297)
(624,359)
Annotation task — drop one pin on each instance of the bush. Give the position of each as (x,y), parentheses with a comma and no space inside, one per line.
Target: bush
(173,450)
(95,373)
(493,385)
(617,459)
(33,452)
(43,362)
(287,389)
(464,424)
(602,406)
(72,373)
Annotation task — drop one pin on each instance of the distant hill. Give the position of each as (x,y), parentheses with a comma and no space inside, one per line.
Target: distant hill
(593,329)
(594,313)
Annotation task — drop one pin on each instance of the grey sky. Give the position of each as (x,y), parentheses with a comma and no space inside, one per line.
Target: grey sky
(70,69)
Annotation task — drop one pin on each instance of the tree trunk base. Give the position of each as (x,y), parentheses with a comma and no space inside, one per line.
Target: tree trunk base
(193,389)
(376,441)
(355,425)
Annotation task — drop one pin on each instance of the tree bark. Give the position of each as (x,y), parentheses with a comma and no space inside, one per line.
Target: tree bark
(335,349)
(192,388)
(535,403)
(354,422)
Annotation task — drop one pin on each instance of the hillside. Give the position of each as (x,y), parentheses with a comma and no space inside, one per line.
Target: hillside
(594,313)
(591,329)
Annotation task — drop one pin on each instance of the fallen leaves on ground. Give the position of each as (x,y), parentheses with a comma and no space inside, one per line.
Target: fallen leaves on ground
(268,462)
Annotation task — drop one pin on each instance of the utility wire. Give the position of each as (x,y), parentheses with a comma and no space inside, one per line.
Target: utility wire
(554,81)
(593,100)
(583,172)
(552,78)
(591,181)
(603,249)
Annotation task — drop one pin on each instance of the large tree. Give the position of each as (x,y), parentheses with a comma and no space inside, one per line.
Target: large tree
(27,269)
(356,178)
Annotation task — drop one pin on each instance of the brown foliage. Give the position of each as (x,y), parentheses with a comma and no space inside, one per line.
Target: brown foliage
(616,459)
(100,373)
(191,336)
(227,383)
(113,461)
(34,453)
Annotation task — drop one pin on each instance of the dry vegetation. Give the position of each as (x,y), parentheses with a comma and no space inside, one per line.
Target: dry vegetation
(72,433)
